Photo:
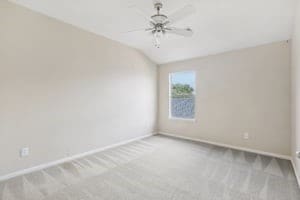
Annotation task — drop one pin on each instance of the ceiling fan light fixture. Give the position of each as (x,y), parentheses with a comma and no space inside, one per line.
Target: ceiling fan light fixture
(157,38)
(158,34)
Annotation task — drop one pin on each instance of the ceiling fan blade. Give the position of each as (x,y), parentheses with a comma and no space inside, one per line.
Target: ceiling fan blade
(140,29)
(178,31)
(142,13)
(182,13)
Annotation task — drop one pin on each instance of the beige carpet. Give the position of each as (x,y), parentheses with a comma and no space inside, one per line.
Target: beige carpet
(160,168)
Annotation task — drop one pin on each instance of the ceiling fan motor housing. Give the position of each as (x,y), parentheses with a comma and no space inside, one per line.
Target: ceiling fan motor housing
(158,18)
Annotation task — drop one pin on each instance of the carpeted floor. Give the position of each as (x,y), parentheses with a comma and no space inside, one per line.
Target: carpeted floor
(160,168)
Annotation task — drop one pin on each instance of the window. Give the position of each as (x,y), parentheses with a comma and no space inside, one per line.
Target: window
(182,95)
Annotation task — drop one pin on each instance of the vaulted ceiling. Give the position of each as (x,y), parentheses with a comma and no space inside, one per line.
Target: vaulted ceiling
(219,25)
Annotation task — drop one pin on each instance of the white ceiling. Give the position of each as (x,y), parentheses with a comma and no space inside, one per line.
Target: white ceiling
(219,25)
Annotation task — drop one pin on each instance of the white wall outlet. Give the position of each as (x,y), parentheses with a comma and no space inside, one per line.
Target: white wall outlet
(24,152)
(298,154)
(246,136)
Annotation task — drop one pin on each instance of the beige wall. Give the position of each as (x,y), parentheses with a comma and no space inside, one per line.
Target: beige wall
(237,92)
(296,92)
(64,91)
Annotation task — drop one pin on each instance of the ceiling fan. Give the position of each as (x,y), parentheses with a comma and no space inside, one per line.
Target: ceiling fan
(160,24)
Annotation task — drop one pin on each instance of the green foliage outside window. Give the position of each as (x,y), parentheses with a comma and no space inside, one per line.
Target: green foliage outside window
(182,91)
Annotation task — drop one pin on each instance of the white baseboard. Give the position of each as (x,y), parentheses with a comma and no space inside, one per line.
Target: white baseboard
(228,146)
(296,172)
(67,159)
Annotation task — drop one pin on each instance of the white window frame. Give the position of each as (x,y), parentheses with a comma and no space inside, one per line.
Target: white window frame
(170,97)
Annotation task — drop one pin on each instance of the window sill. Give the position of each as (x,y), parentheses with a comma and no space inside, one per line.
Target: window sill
(182,119)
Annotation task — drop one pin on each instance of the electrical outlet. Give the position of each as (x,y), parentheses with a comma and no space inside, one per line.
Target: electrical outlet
(24,152)
(298,154)
(246,136)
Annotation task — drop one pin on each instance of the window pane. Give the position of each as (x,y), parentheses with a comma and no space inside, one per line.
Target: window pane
(182,95)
